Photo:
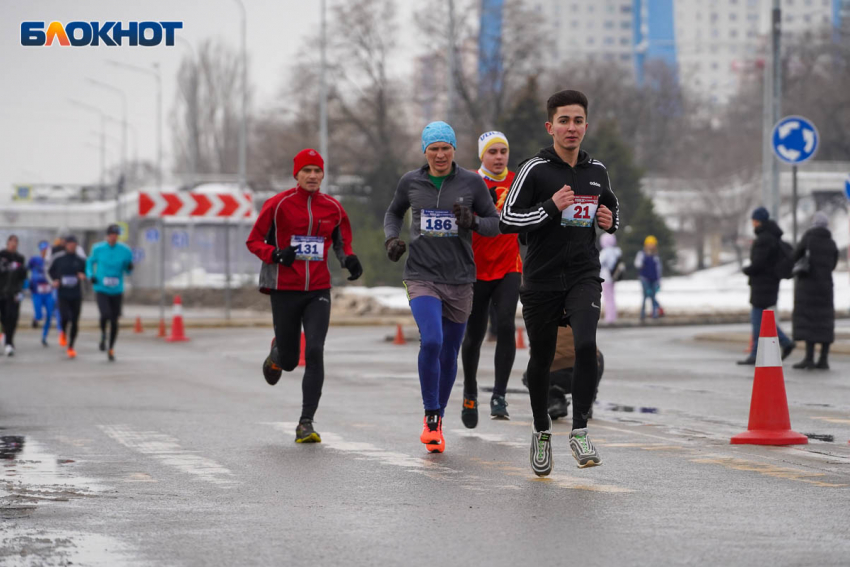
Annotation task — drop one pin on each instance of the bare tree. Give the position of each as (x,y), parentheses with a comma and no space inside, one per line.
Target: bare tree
(206,110)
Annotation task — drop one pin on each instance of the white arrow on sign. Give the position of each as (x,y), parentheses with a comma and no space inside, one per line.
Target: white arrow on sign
(790,155)
(809,137)
(787,128)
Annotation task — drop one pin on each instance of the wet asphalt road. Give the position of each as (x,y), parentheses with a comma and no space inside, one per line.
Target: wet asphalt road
(180,454)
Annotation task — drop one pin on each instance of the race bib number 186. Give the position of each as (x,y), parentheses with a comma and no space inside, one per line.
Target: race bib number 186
(309,248)
(582,212)
(437,223)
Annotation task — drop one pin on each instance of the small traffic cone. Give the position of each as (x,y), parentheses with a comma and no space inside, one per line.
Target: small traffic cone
(399,336)
(520,340)
(769,421)
(138,327)
(302,361)
(162,332)
(177,334)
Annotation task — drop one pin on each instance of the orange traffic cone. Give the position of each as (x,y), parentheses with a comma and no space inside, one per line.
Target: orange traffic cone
(399,336)
(769,420)
(162,332)
(520,340)
(138,328)
(177,333)
(301,360)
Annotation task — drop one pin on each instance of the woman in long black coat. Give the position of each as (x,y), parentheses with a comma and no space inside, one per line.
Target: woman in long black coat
(814,309)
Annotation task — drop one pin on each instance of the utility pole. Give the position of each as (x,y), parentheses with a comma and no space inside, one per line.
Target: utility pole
(776,36)
(323,96)
(450,96)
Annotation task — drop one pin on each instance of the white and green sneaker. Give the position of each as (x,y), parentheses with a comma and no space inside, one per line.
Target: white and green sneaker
(541,450)
(583,450)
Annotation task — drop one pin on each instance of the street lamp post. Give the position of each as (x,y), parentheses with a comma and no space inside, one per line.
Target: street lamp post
(103,119)
(156,74)
(119,92)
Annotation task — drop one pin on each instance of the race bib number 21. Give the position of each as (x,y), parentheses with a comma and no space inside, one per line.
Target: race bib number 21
(582,212)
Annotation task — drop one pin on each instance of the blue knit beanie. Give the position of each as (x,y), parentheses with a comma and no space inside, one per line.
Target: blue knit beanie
(760,214)
(438,132)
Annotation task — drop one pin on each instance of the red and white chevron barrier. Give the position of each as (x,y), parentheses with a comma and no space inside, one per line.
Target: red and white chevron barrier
(185,204)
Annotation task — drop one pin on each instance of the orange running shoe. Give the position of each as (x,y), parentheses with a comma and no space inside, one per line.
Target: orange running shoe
(62,340)
(72,353)
(432,434)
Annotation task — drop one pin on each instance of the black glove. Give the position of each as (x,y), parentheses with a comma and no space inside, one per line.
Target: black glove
(130,267)
(494,195)
(352,264)
(465,218)
(93,279)
(284,256)
(395,249)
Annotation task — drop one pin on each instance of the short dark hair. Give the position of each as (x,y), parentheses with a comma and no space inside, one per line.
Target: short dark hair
(11,238)
(565,98)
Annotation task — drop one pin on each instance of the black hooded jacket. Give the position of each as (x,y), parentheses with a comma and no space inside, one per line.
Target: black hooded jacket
(557,256)
(13,272)
(765,255)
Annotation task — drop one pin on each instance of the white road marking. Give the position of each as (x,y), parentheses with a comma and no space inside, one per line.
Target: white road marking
(167,449)
(369,451)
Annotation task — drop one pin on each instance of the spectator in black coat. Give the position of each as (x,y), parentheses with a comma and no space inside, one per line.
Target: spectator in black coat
(765,256)
(814,309)
(13,272)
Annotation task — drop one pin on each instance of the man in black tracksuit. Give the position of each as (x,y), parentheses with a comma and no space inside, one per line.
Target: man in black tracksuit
(68,272)
(556,198)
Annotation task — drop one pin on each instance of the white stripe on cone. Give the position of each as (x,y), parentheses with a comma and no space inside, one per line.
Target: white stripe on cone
(769,354)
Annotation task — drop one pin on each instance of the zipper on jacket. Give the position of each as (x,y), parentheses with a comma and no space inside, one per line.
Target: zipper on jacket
(309,232)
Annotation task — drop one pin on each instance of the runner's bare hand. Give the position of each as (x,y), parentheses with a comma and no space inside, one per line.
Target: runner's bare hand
(604,217)
(564,197)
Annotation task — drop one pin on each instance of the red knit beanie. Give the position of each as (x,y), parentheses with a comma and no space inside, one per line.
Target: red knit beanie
(306,157)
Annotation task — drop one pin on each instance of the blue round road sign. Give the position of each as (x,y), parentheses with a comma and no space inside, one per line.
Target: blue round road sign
(795,140)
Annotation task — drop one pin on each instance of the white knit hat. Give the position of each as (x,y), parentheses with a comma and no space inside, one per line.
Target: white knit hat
(487,139)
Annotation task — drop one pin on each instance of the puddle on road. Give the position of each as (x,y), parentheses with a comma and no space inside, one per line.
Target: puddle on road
(30,474)
(21,547)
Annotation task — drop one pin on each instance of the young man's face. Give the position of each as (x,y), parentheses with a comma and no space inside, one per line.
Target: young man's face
(111,239)
(310,178)
(12,245)
(71,247)
(495,159)
(440,156)
(568,126)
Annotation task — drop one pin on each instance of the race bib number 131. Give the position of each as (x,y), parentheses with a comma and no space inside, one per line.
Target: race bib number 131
(582,212)
(309,248)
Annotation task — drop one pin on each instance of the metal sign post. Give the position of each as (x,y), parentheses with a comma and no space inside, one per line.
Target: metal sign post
(795,141)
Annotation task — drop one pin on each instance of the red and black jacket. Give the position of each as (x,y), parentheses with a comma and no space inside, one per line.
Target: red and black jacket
(298,212)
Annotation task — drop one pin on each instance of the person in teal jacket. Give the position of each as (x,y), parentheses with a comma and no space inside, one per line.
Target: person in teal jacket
(105,267)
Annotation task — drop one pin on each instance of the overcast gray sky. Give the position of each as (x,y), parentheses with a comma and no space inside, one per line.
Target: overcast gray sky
(46,139)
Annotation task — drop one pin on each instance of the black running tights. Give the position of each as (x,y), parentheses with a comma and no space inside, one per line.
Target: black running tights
(110,310)
(503,294)
(290,311)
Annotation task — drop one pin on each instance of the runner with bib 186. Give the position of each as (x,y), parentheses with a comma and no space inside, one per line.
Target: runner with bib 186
(498,273)
(439,272)
(292,236)
(556,198)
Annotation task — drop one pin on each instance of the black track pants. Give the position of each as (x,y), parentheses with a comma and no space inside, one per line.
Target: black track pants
(69,311)
(10,310)
(503,295)
(543,312)
(290,311)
